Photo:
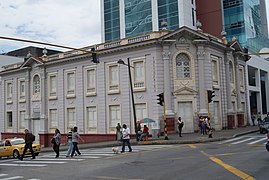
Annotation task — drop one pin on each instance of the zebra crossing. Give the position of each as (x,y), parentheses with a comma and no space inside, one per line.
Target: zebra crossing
(248,140)
(47,159)
(8,177)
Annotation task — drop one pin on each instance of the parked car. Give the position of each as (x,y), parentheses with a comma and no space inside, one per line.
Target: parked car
(264,125)
(14,148)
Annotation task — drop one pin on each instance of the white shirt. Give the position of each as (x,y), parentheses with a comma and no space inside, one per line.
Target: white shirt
(125,133)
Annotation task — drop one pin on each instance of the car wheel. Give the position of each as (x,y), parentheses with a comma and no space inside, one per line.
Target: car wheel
(16,154)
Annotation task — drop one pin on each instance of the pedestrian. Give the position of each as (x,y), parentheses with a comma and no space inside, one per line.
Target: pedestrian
(57,142)
(259,118)
(75,138)
(139,131)
(253,119)
(144,133)
(125,138)
(70,144)
(180,125)
(118,132)
(29,139)
(201,120)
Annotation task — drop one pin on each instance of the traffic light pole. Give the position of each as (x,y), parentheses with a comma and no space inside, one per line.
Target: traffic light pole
(164,120)
(208,117)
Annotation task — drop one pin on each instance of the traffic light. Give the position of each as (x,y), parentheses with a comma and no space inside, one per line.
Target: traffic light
(210,95)
(95,58)
(160,99)
(246,55)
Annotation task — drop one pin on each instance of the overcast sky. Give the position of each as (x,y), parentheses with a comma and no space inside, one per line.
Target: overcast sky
(75,23)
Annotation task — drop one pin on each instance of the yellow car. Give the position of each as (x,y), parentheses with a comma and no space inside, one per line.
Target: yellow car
(14,147)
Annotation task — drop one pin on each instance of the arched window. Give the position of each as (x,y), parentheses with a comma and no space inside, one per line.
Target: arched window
(231,72)
(36,87)
(183,64)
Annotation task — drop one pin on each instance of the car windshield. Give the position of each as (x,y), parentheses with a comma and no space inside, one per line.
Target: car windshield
(17,141)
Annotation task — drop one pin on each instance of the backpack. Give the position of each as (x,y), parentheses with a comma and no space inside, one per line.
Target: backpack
(33,138)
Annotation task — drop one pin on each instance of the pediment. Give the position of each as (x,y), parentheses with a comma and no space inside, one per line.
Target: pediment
(31,61)
(185,91)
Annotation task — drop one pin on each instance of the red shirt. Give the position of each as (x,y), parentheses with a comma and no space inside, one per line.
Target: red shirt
(145,130)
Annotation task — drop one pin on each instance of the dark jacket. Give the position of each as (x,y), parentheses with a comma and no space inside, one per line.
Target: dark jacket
(29,138)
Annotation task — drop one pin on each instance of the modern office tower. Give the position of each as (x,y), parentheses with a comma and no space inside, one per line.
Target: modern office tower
(125,18)
(244,19)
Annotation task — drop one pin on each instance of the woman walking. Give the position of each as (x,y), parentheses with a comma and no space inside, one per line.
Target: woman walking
(75,137)
(57,140)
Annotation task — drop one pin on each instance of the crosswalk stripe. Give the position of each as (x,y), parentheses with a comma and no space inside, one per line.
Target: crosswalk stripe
(66,159)
(24,165)
(3,175)
(14,177)
(42,162)
(259,140)
(230,140)
(237,142)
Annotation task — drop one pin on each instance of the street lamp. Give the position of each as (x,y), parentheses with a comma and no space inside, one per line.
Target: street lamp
(120,61)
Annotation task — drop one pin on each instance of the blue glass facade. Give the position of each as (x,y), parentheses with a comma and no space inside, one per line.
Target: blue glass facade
(138,17)
(111,20)
(242,19)
(168,11)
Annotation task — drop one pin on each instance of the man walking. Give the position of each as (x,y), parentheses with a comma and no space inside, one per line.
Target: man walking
(125,138)
(29,139)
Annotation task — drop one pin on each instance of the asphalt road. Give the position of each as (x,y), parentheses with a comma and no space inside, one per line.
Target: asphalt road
(240,158)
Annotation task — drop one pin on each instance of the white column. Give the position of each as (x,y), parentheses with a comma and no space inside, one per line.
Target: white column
(122,19)
(154,11)
(167,80)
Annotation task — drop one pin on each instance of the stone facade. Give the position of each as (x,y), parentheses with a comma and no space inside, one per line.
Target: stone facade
(68,89)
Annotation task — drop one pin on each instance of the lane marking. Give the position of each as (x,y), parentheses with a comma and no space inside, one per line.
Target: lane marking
(114,178)
(230,140)
(3,175)
(262,139)
(232,169)
(67,159)
(242,141)
(24,165)
(40,162)
(192,146)
(15,177)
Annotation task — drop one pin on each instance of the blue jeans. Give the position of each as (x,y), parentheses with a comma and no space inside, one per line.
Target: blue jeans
(127,141)
(70,148)
(143,135)
(75,148)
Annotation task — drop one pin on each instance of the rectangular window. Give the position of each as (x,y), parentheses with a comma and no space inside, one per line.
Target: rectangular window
(22,119)
(52,86)
(9,120)
(90,76)
(141,111)
(92,117)
(21,90)
(215,71)
(53,118)
(9,90)
(139,75)
(241,78)
(115,116)
(71,117)
(70,84)
(113,78)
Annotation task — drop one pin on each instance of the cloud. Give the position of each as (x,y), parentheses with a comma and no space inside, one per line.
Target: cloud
(64,22)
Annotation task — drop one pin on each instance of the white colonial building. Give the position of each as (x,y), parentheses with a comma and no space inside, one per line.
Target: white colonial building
(68,89)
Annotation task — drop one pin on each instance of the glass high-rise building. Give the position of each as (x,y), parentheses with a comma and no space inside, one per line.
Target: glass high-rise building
(246,20)
(125,18)
(243,19)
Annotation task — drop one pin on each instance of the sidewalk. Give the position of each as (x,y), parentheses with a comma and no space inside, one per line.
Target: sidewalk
(188,138)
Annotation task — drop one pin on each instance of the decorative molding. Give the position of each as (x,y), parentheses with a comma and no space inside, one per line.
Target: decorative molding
(114,98)
(185,91)
(139,96)
(166,54)
(182,40)
(201,54)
